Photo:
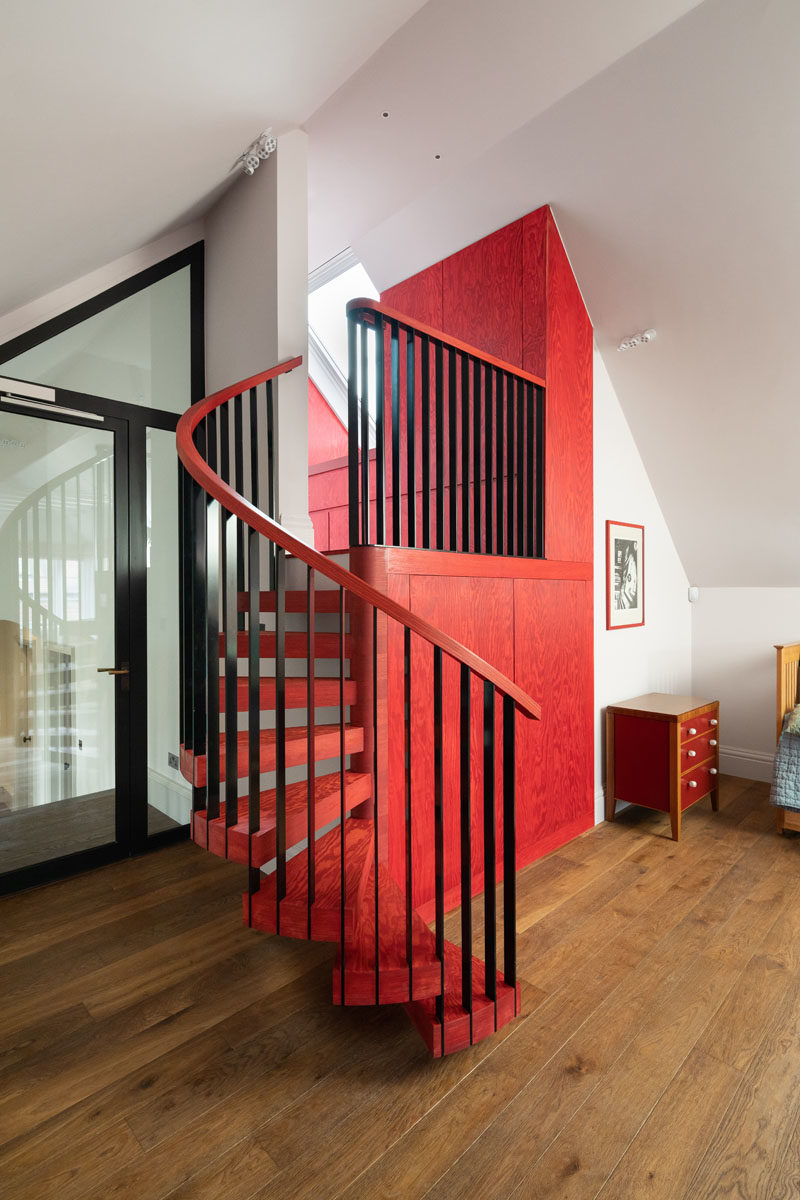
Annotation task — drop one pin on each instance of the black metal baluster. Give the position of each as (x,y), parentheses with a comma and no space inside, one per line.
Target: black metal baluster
(466,849)
(280,732)
(488,409)
(224,443)
(439,404)
(380,440)
(185,539)
(520,467)
(396,484)
(342,863)
(409,850)
(539,438)
(364,409)
(509,850)
(476,455)
(231,625)
(452,410)
(411,440)
(352,431)
(200,666)
(311,719)
(238,483)
(271,477)
(253,658)
(438,828)
(425,422)
(532,475)
(510,459)
(465,428)
(500,483)
(213,516)
(489,872)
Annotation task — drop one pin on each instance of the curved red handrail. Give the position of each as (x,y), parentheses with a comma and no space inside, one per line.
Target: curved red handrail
(391,314)
(235,503)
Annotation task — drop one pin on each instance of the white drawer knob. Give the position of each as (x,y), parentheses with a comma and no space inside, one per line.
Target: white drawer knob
(692,783)
(713,721)
(712,742)
(712,770)
(692,732)
(692,753)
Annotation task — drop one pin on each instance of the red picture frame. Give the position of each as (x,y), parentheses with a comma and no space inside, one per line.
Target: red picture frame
(624,575)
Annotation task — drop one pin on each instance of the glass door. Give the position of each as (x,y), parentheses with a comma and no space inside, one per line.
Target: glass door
(64,638)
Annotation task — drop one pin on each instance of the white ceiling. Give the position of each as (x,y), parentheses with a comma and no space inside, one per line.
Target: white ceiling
(663,132)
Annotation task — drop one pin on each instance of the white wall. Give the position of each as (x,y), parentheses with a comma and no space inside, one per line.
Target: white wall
(657,656)
(734,661)
(256,298)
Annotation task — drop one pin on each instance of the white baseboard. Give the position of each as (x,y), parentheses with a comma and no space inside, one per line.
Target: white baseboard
(748,764)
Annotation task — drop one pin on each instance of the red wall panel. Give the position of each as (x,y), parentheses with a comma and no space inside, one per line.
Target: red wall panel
(482,294)
(534,292)
(419,296)
(327,436)
(568,437)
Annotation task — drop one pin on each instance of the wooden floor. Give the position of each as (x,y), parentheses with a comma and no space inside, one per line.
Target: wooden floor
(152,1046)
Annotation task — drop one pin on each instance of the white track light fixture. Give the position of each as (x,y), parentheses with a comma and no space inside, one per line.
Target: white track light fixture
(256,153)
(637,339)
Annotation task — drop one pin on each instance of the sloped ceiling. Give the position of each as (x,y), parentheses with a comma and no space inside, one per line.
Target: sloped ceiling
(674,177)
(119,121)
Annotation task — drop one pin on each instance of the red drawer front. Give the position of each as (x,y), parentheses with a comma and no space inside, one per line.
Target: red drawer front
(702,724)
(699,750)
(697,783)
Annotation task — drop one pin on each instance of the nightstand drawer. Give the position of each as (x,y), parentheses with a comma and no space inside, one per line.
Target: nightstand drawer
(696,784)
(699,750)
(705,723)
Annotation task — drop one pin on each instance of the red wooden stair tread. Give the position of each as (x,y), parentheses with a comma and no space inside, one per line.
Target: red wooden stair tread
(326,912)
(391,985)
(211,834)
(325,600)
(326,645)
(326,745)
(326,693)
(456,1018)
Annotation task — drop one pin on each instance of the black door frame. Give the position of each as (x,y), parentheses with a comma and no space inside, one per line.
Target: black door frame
(131,597)
(129,423)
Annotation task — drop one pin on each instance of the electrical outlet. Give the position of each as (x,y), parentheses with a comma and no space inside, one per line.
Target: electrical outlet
(174,761)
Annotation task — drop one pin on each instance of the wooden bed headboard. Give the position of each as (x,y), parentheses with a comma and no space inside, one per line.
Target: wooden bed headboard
(787,695)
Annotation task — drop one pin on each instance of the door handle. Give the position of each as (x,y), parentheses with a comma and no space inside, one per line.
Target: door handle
(123,670)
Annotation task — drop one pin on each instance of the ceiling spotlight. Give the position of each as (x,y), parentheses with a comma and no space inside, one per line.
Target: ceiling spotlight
(256,153)
(637,339)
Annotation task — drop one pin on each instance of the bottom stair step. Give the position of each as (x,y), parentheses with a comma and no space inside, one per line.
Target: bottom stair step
(459,1030)
(324,922)
(390,984)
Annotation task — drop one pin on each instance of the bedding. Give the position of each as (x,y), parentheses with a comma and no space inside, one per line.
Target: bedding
(785,790)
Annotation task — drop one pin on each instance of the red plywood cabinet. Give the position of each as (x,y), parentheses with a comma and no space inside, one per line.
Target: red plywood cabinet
(662,753)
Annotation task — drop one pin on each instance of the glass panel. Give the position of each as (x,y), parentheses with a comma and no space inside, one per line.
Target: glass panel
(169,795)
(136,351)
(57,752)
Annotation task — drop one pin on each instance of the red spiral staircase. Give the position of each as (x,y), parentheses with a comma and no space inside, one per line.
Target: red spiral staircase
(285,718)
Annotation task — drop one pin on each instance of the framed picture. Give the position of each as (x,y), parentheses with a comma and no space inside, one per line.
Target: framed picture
(624,575)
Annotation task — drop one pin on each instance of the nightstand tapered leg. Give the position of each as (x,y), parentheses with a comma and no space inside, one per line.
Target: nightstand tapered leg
(675,820)
(611,803)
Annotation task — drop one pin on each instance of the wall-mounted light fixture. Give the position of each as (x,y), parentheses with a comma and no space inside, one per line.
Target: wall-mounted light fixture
(256,153)
(637,339)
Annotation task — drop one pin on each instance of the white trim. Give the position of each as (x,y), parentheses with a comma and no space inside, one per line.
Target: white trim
(748,764)
(36,312)
(334,267)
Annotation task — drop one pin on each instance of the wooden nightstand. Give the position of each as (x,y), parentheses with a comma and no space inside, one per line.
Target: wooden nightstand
(662,752)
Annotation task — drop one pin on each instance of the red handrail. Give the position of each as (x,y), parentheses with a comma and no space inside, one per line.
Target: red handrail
(373,306)
(235,503)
